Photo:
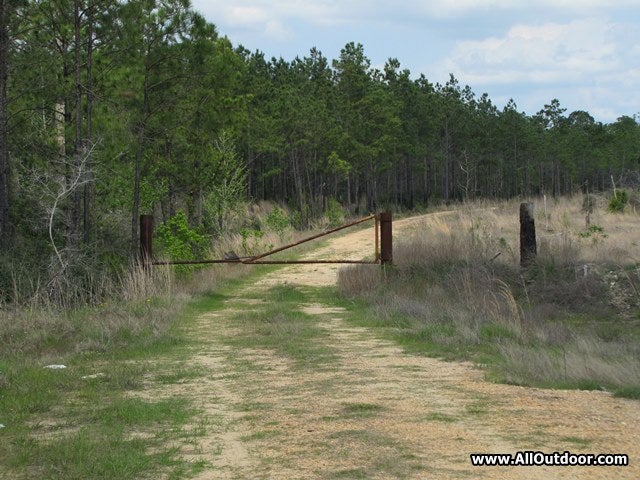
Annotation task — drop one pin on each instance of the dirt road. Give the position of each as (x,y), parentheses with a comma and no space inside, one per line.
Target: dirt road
(376,412)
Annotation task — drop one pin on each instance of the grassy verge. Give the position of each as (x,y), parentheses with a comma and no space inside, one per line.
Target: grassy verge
(569,321)
(91,419)
(84,421)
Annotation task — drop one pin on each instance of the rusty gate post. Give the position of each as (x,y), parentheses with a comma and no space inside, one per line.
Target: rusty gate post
(528,248)
(386,239)
(146,243)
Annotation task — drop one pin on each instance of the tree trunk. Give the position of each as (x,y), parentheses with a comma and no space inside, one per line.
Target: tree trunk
(4,128)
(76,210)
(299,187)
(425,181)
(135,210)
(198,201)
(88,188)
(58,121)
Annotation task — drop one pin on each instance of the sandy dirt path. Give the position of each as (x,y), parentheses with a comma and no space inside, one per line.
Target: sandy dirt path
(376,412)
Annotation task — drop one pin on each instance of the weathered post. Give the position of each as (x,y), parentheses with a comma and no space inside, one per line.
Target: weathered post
(528,248)
(376,230)
(146,245)
(386,239)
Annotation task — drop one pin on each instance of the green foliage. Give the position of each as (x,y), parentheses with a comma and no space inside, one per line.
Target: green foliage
(618,201)
(225,199)
(251,240)
(178,241)
(593,231)
(278,221)
(334,213)
(337,165)
(628,392)
(300,218)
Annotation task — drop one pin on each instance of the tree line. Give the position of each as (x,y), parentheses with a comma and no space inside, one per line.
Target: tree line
(110,109)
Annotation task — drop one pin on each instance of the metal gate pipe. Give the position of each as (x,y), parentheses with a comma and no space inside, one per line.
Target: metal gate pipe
(308,239)
(146,231)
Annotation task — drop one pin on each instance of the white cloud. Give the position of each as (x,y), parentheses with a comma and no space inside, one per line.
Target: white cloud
(261,12)
(587,63)
(277,31)
(457,8)
(537,53)
(244,15)
(272,19)
(277,16)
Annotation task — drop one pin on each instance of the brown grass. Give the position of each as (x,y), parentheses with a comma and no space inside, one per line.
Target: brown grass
(559,322)
(586,362)
(98,312)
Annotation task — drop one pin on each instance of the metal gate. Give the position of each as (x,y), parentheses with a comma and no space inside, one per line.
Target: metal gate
(383,253)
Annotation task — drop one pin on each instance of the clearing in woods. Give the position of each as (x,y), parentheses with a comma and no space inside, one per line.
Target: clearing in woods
(292,390)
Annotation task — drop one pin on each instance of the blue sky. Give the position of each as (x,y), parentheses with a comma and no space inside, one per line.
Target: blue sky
(586,53)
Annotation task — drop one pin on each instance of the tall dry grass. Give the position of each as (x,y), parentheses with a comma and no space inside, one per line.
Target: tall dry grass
(81,309)
(570,319)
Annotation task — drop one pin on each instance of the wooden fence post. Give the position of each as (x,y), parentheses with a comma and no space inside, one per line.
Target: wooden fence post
(528,247)
(146,242)
(386,238)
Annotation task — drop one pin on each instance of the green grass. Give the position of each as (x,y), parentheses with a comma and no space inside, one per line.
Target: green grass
(87,455)
(351,473)
(377,455)
(361,410)
(441,417)
(59,425)
(628,392)
(125,439)
(134,412)
(180,374)
(478,408)
(260,435)
(583,442)
(64,427)
(279,325)
(252,406)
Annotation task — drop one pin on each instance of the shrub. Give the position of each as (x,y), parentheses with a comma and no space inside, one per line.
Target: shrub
(178,241)
(334,212)
(618,201)
(250,240)
(278,221)
(300,218)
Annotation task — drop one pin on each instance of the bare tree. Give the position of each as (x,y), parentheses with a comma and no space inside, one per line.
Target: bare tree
(54,190)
